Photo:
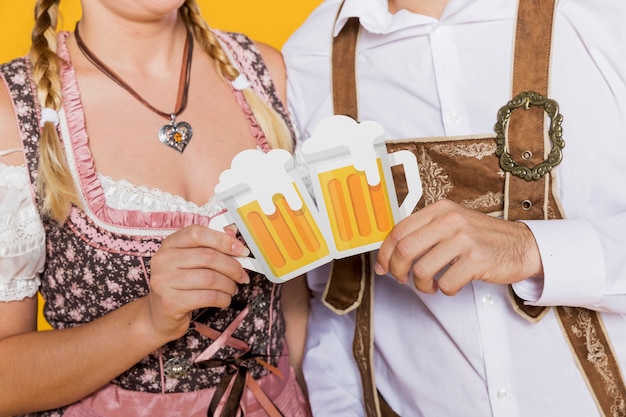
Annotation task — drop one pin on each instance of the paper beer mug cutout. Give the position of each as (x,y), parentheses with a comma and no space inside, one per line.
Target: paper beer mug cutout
(272,209)
(350,171)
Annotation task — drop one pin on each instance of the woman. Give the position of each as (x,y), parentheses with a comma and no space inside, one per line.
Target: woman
(106,192)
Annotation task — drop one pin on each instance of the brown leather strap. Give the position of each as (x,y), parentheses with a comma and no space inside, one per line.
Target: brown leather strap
(534,199)
(526,127)
(344,69)
(363,343)
(344,292)
(595,358)
(524,199)
(344,289)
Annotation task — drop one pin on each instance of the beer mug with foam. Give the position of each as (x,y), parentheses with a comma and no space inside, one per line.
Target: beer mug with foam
(268,202)
(350,171)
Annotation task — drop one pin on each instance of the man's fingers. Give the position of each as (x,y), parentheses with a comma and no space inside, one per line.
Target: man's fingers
(397,235)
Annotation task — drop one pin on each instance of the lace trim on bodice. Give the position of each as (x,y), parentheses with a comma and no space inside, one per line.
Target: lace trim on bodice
(122,195)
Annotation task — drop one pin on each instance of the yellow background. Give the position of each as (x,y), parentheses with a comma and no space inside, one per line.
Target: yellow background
(269,21)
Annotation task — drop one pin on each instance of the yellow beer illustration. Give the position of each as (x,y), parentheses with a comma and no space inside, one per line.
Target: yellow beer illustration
(355,203)
(359,213)
(274,213)
(287,239)
(350,172)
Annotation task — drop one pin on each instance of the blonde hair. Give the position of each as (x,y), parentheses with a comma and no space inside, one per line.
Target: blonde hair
(270,122)
(54,180)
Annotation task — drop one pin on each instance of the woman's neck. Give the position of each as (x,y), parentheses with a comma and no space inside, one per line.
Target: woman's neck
(134,44)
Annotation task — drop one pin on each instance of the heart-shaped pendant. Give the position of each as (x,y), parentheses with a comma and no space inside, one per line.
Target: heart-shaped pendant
(176,135)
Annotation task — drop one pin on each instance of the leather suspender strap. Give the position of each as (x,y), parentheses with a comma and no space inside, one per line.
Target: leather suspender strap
(534,199)
(350,284)
(343,291)
(531,62)
(344,59)
(595,358)
(527,199)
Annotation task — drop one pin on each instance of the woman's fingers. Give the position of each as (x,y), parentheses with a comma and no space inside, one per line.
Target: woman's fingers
(194,268)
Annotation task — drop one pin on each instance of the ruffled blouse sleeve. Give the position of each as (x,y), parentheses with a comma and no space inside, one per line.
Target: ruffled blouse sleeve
(22,236)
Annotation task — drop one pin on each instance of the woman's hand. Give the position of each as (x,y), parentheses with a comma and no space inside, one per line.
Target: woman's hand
(446,246)
(194,268)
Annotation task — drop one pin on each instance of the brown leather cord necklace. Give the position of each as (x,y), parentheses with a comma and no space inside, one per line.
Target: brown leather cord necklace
(176,135)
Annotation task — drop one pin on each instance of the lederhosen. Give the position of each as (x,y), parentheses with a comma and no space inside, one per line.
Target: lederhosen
(521,148)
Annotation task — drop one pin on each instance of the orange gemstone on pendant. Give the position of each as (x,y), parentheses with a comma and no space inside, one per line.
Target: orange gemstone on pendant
(178,137)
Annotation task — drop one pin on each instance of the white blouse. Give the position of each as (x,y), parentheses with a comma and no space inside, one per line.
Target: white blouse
(22,236)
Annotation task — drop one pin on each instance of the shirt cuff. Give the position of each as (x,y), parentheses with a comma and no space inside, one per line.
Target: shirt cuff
(573,265)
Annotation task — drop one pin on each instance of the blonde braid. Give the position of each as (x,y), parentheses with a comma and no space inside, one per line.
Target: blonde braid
(54,181)
(270,122)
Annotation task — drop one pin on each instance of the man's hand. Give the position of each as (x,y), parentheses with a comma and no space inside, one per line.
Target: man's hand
(459,245)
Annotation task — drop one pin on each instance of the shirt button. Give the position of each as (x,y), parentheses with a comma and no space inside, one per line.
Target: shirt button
(502,393)
(487,300)
(455,117)
(439,32)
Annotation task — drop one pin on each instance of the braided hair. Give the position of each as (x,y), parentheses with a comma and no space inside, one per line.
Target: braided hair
(54,180)
(270,122)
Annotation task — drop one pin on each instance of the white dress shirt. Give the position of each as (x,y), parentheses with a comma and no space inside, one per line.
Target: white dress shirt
(471,355)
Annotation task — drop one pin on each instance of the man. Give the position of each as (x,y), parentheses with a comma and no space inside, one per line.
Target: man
(449,336)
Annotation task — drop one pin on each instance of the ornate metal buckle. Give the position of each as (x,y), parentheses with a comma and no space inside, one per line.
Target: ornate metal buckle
(527,99)
(176,367)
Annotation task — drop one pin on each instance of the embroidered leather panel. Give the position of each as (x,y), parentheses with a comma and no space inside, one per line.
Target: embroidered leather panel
(443,166)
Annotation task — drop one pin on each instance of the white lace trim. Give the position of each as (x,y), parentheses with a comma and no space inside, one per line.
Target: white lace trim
(13,176)
(22,237)
(122,195)
(21,230)
(19,289)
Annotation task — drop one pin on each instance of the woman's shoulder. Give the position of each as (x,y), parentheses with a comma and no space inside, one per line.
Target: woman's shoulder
(245,48)
(271,56)
(14,74)
(252,57)
(276,66)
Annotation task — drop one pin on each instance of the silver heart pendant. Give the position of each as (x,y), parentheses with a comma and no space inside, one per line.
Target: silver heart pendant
(176,135)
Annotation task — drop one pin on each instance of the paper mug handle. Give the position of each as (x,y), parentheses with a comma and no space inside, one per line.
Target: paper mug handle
(219,223)
(413,181)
